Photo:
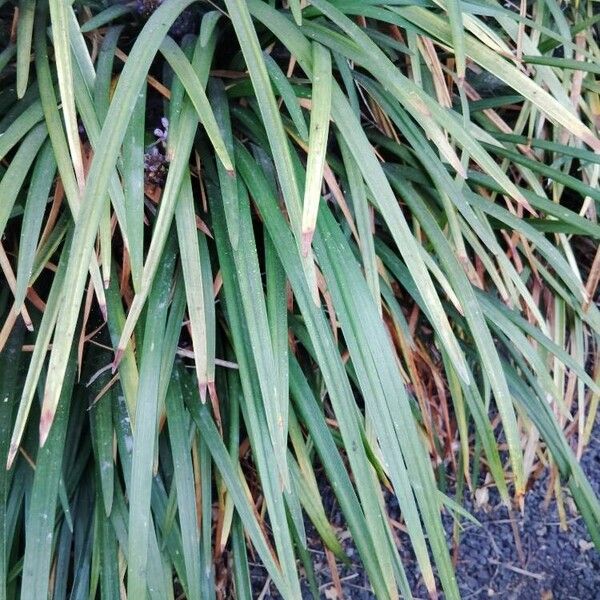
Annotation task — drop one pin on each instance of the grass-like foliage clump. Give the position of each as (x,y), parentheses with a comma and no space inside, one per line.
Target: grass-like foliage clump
(256,250)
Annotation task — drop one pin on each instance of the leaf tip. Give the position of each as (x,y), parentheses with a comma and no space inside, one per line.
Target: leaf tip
(117,360)
(45,424)
(12,452)
(103,310)
(202,387)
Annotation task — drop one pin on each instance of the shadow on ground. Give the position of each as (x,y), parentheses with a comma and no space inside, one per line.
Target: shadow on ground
(550,564)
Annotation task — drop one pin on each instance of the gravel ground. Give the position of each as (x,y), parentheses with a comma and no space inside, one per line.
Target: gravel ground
(551,564)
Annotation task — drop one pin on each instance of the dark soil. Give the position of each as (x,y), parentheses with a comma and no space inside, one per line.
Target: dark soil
(551,565)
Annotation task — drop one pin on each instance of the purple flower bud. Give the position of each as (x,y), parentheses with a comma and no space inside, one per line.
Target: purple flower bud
(147,7)
(162,134)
